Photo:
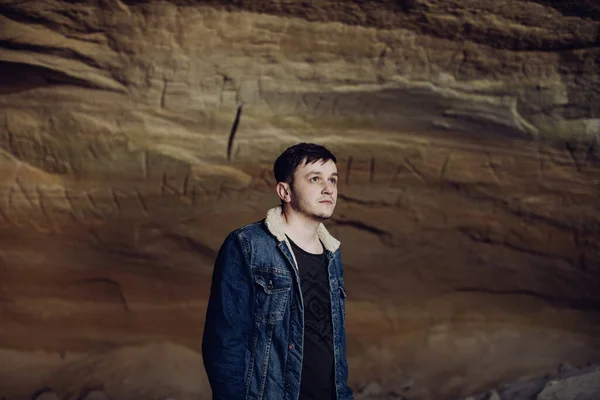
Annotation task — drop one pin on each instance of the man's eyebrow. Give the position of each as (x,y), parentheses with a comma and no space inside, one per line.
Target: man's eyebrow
(313,172)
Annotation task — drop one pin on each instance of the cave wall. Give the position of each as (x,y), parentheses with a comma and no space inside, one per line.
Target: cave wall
(135,135)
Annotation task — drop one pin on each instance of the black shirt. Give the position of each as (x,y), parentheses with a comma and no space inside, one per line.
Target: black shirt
(317,362)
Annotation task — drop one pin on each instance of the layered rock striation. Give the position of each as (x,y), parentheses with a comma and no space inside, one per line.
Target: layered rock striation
(134,135)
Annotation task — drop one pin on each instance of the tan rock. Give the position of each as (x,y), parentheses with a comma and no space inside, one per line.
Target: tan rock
(135,135)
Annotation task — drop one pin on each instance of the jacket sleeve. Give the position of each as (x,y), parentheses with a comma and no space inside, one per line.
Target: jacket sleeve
(228,322)
(347,392)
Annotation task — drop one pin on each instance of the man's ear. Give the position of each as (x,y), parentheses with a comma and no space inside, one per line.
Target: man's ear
(284,192)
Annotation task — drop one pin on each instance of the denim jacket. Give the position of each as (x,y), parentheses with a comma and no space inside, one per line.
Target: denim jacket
(253,335)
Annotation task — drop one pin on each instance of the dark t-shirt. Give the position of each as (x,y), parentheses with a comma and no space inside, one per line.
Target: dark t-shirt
(317,362)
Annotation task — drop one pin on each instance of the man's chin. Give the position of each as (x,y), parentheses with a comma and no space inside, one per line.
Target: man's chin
(322,217)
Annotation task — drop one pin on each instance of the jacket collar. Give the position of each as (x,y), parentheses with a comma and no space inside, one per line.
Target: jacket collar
(275,225)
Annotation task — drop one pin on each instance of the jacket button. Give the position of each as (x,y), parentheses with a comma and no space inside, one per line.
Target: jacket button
(291,346)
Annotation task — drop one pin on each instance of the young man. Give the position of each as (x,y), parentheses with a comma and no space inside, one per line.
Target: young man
(275,323)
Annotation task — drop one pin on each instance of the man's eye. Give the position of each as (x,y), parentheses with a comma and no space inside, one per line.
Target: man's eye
(333,181)
(314,179)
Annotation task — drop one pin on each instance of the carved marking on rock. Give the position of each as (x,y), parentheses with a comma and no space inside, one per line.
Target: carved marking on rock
(336,100)
(193,196)
(540,164)
(166,187)
(267,101)
(163,93)
(260,89)
(303,101)
(6,217)
(317,104)
(145,165)
(11,140)
(427,52)
(444,167)
(142,202)
(348,169)
(93,152)
(398,169)
(179,33)
(530,68)
(71,205)
(9,196)
(590,150)
(365,105)
(459,49)
(413,169)
(203,192)
(571,150)
(98,241)
(92,203)
(298,102)
(492,168)
(115,200)
(381,58)
(21,187)
(90,200)
(463,60)
(226,81)
(45,212)
(184,184)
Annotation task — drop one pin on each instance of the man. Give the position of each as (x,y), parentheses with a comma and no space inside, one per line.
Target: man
(275,323)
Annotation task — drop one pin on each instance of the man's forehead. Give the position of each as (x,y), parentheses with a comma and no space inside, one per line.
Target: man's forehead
(320,166)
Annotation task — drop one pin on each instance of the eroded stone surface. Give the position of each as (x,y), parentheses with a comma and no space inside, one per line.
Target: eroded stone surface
(135,135)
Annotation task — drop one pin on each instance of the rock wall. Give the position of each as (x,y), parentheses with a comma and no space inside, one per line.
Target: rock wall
(135,135)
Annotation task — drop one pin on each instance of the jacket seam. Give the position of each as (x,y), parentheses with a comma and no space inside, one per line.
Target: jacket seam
(264,373)
(251,361)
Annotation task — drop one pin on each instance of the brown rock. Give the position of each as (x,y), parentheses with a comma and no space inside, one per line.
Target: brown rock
(135,135)
(46,395)
(94,395)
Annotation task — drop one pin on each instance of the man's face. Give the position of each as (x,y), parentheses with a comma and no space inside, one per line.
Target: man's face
(314,191)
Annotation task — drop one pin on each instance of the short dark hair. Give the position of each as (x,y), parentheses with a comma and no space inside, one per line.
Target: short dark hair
(293,156)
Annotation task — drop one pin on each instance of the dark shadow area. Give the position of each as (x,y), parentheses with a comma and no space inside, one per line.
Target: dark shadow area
(19,77)
(60,20)
(578,8)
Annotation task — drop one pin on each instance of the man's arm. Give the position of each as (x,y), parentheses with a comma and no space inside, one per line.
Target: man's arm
(228,322)
(347,393)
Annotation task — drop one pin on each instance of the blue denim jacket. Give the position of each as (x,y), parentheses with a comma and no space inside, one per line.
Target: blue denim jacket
(253,334)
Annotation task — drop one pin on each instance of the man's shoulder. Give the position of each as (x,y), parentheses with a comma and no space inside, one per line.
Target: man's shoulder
(252,230)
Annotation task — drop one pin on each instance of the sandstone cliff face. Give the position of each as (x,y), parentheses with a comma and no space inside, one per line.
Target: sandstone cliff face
(135,135)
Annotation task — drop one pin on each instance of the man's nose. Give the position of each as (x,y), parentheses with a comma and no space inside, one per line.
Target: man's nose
(328,188)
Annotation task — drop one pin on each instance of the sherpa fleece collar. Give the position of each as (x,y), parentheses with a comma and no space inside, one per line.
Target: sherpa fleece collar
(275,225)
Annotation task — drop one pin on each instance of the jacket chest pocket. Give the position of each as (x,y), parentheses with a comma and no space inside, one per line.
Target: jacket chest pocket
(272,292)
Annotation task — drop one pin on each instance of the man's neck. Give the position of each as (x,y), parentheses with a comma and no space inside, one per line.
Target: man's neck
(302,230)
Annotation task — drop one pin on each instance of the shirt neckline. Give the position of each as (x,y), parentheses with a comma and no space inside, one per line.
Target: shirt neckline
(306,252)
